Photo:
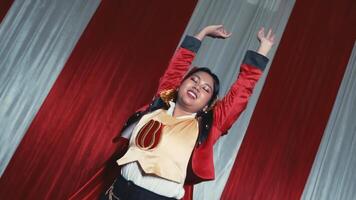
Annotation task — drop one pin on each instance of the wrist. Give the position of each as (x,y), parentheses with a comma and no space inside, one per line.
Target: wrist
(201,35)
(264,49)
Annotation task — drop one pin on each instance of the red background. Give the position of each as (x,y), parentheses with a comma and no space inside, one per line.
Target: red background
(283,136)
(113,70)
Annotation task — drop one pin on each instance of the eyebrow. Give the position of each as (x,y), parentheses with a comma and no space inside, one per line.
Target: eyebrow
(205,83)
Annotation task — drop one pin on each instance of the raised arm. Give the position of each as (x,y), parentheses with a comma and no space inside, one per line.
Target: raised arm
(230,107)
(183,57)
(179,64)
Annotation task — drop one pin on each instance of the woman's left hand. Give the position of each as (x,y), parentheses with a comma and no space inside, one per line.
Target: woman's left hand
(266,41)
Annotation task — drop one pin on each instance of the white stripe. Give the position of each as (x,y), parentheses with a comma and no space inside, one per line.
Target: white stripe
(333,173)
(36,38)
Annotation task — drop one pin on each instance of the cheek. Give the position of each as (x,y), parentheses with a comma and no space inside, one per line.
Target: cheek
(184,85)
(182,88)
(205,99)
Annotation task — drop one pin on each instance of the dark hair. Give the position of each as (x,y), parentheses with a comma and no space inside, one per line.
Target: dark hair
(216,85)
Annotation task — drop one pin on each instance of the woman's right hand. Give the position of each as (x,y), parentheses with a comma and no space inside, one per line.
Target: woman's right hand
(214,31)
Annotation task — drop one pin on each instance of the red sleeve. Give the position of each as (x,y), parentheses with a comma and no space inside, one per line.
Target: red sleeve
(179,64)
(230,107)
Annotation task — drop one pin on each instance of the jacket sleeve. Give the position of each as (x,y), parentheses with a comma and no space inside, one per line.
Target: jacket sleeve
(179,64)
(230,107)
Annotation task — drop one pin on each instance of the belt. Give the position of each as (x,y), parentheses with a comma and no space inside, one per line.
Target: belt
(123,189)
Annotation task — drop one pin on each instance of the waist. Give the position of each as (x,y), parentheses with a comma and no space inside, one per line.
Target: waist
(158,185)
(123,189)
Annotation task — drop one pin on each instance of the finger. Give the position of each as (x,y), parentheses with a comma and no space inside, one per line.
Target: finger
(220,30)
(262,29)
(269,33)
(261,33)
(225,32)
(219,25)
(273,38)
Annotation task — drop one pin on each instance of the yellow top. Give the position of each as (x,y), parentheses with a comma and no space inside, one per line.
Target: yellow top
(170,157)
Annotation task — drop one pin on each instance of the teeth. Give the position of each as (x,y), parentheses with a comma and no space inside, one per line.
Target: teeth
(192,94)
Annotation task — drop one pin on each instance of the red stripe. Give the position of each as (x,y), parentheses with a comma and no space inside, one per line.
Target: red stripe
(278,150)
(4,7)
(114,69)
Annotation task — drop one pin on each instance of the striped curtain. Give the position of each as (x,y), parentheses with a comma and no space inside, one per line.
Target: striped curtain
(61,106)
(72,71)
(333,174)
(36,39)
(243,18)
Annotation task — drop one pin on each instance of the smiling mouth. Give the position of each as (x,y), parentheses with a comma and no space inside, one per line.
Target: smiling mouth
(192,94)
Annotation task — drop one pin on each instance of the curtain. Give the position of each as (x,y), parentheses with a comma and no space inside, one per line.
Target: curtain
(285,130)
(333,173)
(113,70)
(36,39)
(243,18)
(4,7)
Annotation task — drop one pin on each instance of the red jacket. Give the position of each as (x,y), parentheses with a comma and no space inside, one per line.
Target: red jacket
(226,110)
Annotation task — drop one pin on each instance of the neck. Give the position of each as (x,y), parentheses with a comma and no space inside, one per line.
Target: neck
(180,111)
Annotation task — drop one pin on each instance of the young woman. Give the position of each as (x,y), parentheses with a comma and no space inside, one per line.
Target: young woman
(169,143)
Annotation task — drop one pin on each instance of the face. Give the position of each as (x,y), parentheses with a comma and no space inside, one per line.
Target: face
(195,92)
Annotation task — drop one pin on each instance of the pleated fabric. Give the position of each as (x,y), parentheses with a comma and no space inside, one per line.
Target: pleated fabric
(113,70)
(64,112)
(243,18)
(290,117)
(333,174)
(36,39)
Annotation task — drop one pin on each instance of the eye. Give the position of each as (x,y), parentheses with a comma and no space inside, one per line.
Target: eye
(206,89)
(194,79)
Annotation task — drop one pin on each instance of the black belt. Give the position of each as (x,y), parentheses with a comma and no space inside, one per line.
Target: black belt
(123,189)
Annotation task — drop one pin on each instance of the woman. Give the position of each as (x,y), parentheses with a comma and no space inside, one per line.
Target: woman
(169,143)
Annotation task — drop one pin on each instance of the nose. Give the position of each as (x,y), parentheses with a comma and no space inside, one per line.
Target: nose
(197,87)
